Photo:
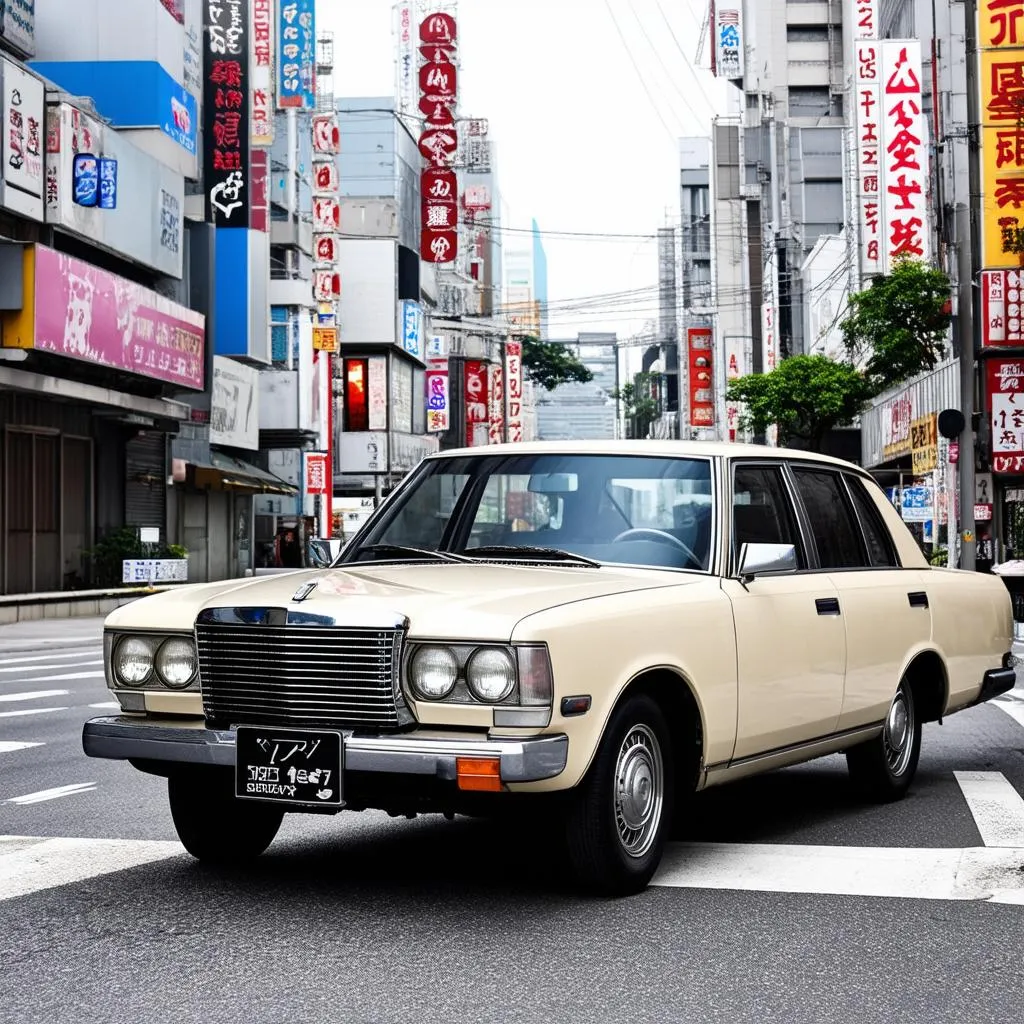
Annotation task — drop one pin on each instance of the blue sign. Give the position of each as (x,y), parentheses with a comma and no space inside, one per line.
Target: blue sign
(917,504)
(296,55)
(108,184)
(412,341)
(86,170)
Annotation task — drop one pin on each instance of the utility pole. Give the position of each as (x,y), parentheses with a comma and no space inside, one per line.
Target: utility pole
(968,234)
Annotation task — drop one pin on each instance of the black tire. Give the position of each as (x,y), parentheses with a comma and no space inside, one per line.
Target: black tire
(883,768)
(605,860)
(213,825)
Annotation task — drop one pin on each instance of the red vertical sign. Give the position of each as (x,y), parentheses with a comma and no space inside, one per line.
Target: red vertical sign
(702,376)
(478,413)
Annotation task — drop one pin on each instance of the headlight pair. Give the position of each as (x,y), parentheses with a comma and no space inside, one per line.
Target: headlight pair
(173,660)
(490,674)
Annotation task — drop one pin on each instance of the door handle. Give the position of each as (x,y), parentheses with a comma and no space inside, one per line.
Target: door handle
(827,605)
(918,599)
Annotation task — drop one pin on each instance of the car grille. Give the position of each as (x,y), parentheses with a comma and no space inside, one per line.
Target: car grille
(299,675)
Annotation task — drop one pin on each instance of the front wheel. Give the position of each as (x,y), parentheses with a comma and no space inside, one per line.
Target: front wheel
(883,768)
(619,816)
(213,825)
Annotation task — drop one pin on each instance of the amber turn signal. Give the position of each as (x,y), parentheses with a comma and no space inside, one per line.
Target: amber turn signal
(479,774)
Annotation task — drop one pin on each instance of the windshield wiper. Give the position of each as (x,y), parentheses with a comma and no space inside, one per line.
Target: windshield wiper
(527,551)
(405,549)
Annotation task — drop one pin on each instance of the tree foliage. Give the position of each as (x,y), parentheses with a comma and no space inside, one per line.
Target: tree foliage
(549,364)
(804,396)
(639,407)
(897,327)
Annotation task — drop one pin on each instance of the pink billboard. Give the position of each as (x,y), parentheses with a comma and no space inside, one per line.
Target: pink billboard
(83,312)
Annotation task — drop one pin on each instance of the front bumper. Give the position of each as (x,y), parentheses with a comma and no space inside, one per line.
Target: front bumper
(421,753)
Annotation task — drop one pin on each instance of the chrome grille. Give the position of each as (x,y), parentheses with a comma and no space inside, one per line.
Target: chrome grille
(299,675)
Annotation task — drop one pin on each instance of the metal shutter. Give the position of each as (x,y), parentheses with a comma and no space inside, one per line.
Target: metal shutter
(145,485)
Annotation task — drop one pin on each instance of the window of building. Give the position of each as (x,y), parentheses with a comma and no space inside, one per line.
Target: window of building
(357,397)
(833,524)
(807,33)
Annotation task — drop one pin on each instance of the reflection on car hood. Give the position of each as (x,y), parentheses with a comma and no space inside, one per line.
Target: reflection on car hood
(441,600)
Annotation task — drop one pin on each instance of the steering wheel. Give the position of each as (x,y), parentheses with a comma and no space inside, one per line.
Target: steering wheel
(657,535)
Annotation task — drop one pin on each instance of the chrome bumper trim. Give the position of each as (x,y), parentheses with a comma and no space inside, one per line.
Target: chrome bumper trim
(122,738)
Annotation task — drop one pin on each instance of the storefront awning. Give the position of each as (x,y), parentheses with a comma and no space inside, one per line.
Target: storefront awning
(225,473)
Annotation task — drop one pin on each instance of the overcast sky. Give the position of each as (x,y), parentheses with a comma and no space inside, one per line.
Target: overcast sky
(586,127)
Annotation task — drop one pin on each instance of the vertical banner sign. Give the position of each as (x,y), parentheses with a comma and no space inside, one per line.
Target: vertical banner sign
(22,113)
(226,112)
(904,152)
(1001,39)
(261,86)
(406,63)
(477,408)
(867,125)
(728,40)
(497,403)
(733,371)
(438,409)
(1005,386)
(439,139)
(377,392)
(316,473)
(326,211)
(514,389)
(296,55)
(701,367)
(1002,295)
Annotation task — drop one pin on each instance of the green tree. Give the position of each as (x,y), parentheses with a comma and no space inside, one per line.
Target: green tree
(804,396)
(897,327)
(549,364)
(639,408)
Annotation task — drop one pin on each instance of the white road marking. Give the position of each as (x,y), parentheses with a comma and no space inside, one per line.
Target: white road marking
(74,675)
(53,794)
(28,864)
(997,807)
(106,704)
(10,746)
(30,711)
(18,658)
(992,875)
(43,668)
(1014,708)
(32,695)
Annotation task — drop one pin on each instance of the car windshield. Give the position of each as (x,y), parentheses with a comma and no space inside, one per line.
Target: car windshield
(619,509)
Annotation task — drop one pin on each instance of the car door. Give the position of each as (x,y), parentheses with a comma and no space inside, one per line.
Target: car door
(790,640)
(883,607)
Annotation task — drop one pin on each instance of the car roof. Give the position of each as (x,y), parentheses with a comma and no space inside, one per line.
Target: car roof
(664,448)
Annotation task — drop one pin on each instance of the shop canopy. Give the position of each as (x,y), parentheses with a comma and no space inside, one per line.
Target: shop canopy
(225,473)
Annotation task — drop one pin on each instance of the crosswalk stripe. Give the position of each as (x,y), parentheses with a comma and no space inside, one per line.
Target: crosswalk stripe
(32,695)
(50,657)
(1014,708)
(998,808)
(73,675)
(29,864)
(53,794)
(43,668)
(30,711)
(10,746)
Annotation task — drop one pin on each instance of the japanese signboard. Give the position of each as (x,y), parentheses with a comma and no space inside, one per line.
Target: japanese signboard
(377,392)
(924,444)
(865,19)
(1002,292)
(439,140)
(410,327)
(259,185)
(226,122)
(734,369)
(261,86)
(18,25)
(701,376)
(897,416)
(406,92)
(316,473)
(917,504)
(21,141)
(438,420)
(497,403)
(296,55)
(867,70)
(478,414)
(325,339)
(904,153)
(1001,38)
(727,29)
(1005,387)
(514,390)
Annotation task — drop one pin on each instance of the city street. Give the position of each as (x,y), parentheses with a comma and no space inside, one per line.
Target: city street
(782,899)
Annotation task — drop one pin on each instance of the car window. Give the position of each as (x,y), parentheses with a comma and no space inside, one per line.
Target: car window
(832,521)
(881,552)
(422,518)
(762,510)
(507,505)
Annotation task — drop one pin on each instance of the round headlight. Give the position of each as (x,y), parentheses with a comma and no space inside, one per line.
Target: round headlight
(176,663)
(491,675)
(133,661)
(433,672)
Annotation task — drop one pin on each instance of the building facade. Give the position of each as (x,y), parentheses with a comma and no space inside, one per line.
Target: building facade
(573,412)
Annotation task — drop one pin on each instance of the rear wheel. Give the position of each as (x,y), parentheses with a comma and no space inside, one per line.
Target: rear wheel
(213,825)
(884,767)
(620,814)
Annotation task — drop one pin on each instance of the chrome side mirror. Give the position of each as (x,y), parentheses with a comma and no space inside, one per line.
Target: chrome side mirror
(759,559)
(323,551)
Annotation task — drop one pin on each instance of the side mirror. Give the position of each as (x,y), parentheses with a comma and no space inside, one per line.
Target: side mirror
(759,559)
(324,552)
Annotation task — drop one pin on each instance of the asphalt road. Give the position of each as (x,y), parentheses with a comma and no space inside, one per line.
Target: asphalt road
(764,911)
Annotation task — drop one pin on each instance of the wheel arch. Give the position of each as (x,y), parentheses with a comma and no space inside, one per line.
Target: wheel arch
(929,682)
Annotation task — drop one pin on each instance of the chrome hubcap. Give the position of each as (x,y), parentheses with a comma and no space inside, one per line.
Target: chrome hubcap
(898,734)
(639,790)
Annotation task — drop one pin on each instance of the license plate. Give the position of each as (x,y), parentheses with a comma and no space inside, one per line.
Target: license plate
(289,766)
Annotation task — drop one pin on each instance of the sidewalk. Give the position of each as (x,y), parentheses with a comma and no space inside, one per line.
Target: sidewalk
(64,604)
(43,634)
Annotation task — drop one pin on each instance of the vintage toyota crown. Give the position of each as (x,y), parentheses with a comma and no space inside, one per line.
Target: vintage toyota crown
(590,630)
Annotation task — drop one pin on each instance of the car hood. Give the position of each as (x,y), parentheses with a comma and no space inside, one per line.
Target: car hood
(440,600)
